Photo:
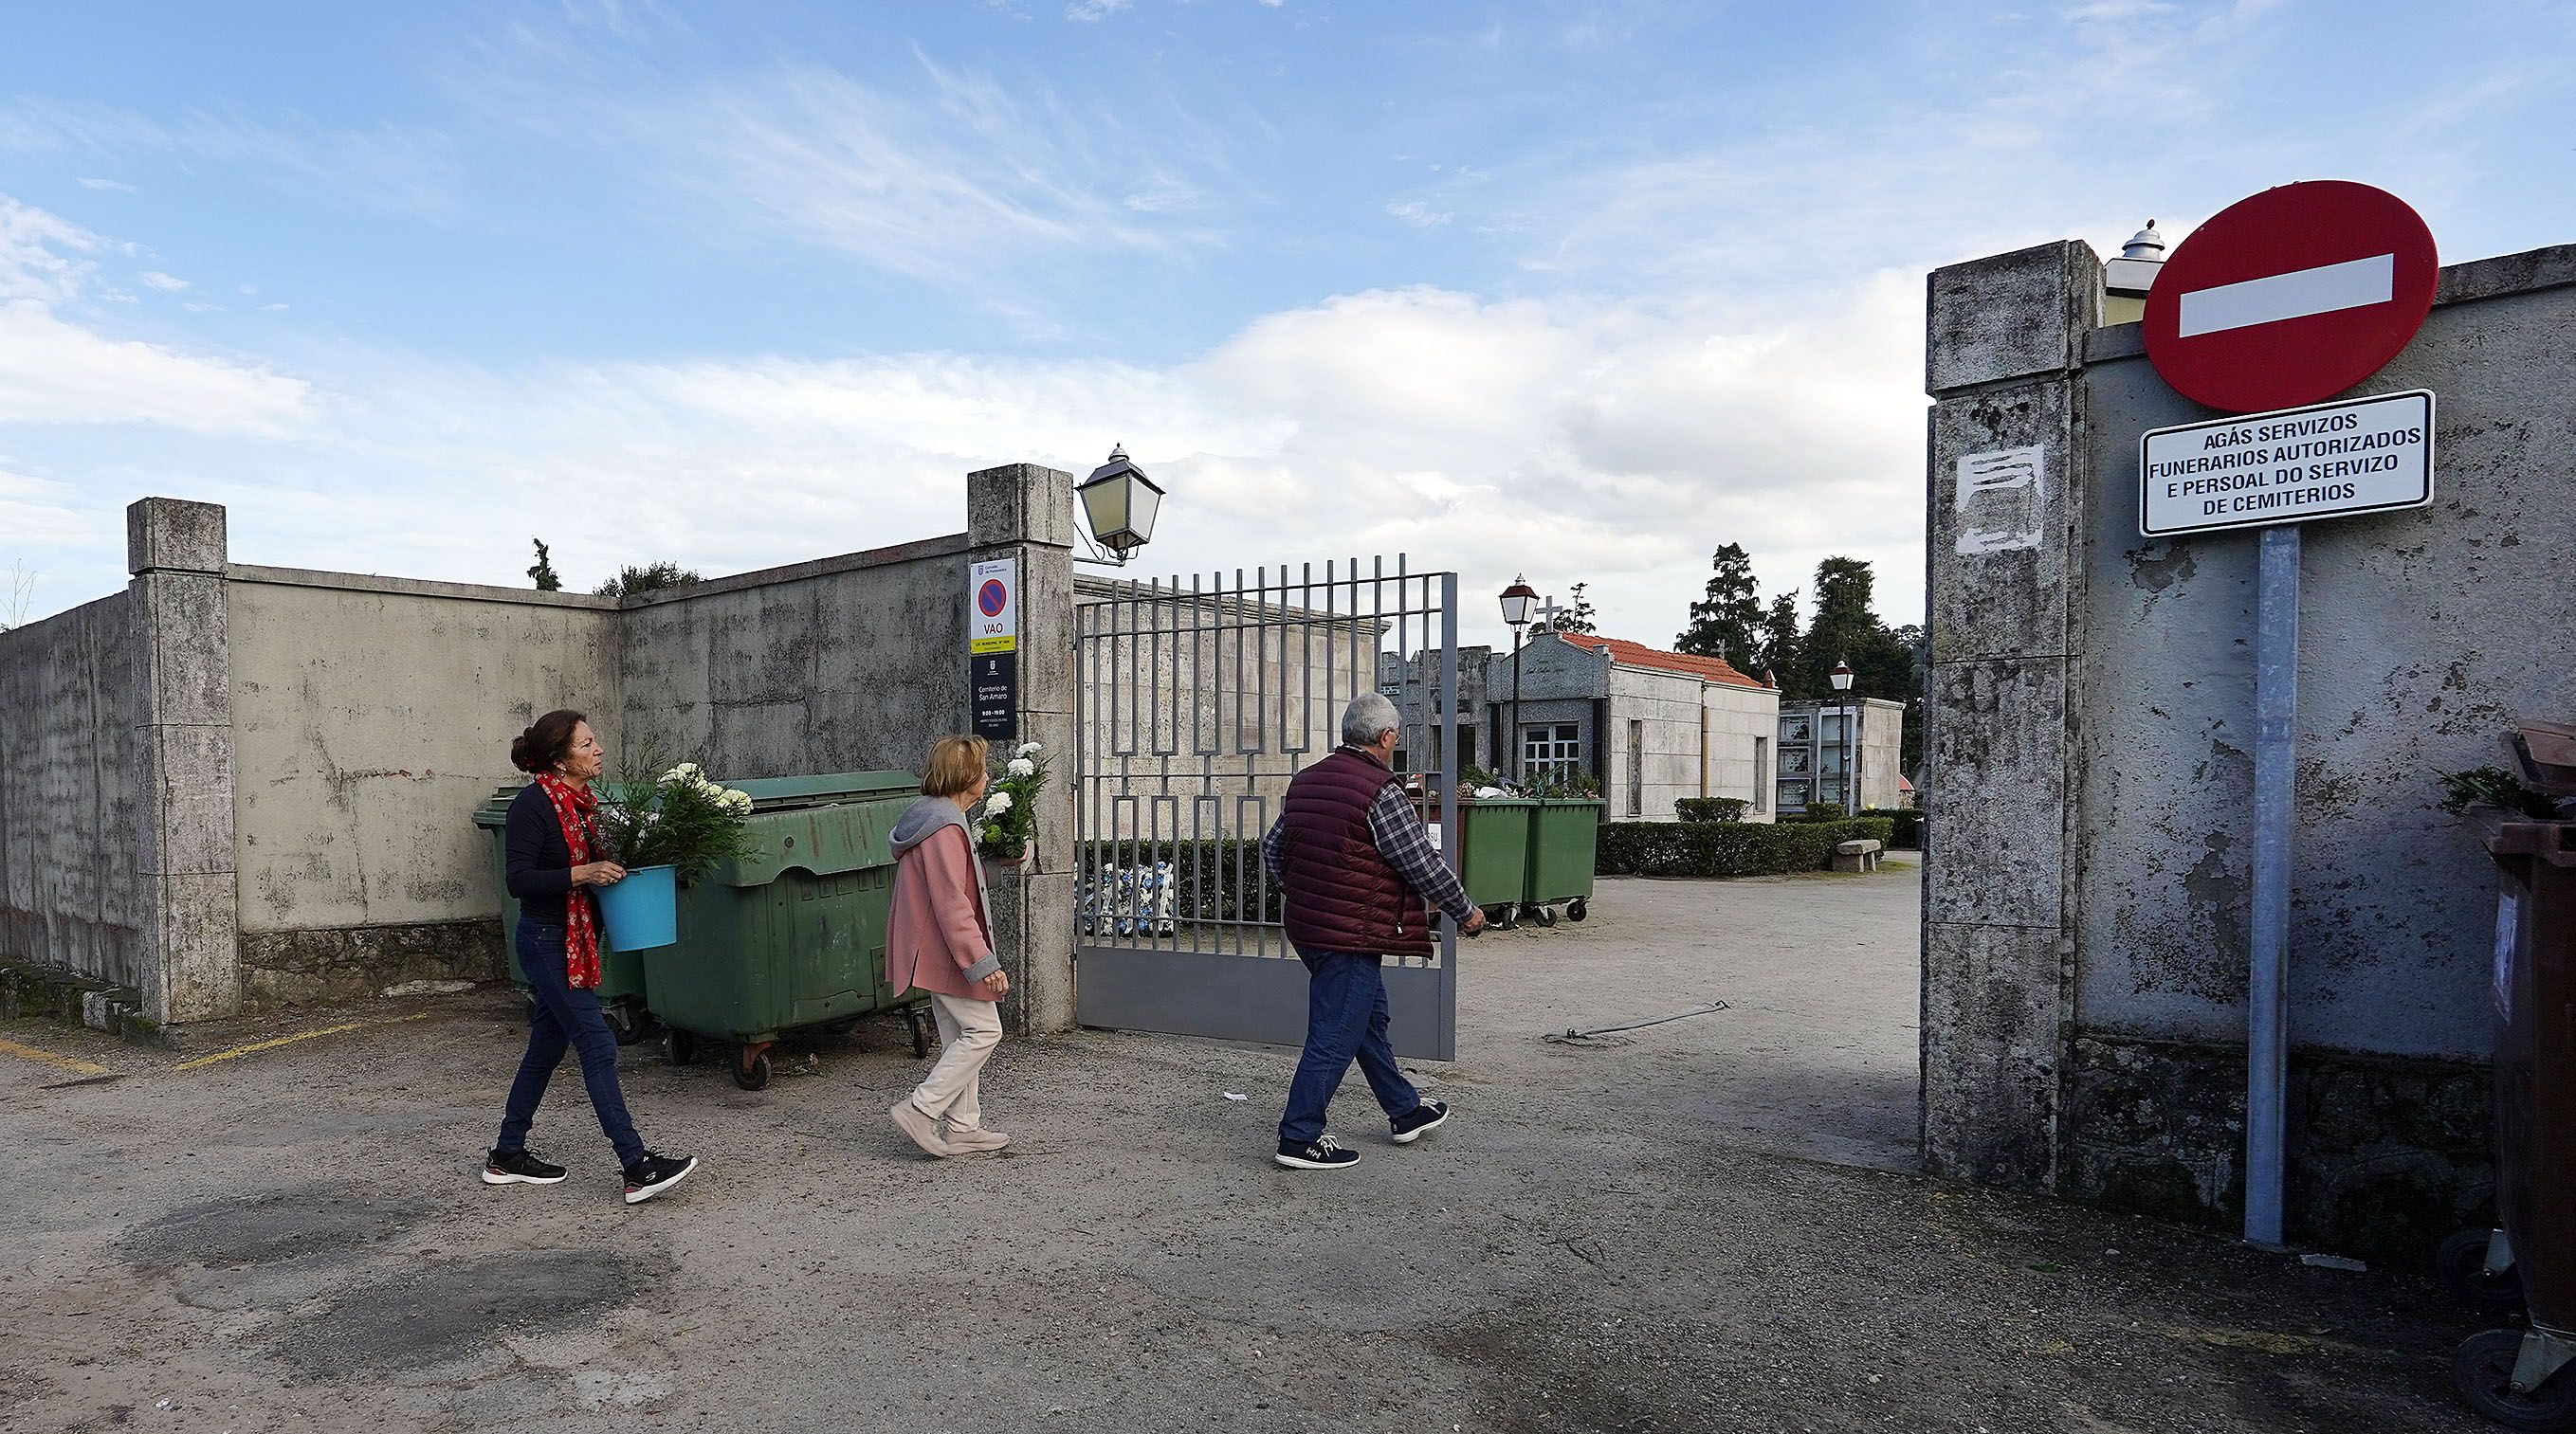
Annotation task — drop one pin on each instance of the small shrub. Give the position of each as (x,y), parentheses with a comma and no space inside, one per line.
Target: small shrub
(1907,823)
(1719,849)
(1710,809)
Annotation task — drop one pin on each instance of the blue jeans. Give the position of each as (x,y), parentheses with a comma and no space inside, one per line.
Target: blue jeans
(559,1016)
(1345,1019)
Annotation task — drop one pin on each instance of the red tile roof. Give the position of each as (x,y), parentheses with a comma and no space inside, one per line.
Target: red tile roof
(1637,654)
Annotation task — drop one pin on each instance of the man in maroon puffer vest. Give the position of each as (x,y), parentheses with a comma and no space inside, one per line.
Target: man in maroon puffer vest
(1355,870)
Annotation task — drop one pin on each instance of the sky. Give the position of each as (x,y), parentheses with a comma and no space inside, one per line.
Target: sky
(1576,290)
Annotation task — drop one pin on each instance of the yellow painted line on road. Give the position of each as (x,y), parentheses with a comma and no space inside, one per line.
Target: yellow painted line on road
(70,1063)
(256,1047)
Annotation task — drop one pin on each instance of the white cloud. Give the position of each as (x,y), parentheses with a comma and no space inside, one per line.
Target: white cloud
(1091,10)
(155,279)
(54,371)
(116,186)
(1419,214)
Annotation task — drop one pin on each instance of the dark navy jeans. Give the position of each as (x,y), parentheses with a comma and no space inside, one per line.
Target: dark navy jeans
(559,1016)
(1345,1019)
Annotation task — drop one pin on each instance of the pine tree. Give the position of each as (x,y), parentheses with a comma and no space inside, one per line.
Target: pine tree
(1844,630)
(1577,618)
(1779,654)
(544,571)
(1727,622)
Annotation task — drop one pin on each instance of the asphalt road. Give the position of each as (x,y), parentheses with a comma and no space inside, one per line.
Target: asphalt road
(1617,1236)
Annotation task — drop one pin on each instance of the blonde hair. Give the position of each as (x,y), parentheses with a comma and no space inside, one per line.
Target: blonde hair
(955,765)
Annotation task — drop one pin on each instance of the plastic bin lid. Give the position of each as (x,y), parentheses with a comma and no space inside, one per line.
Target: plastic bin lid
(825,788)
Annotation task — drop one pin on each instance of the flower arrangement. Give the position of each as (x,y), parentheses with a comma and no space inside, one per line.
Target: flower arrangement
(679,819)
(1010,810)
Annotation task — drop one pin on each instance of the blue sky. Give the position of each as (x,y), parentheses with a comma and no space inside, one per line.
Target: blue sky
(1577,289)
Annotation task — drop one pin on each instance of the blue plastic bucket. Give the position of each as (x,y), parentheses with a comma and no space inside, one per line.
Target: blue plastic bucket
(643,910)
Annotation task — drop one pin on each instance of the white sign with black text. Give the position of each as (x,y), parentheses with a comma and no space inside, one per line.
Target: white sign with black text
(2327,460)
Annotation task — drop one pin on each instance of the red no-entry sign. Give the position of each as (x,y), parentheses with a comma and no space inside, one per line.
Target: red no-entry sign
(2291,296)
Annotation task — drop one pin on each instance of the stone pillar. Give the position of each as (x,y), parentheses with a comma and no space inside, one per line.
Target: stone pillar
(2003,351)
(1024,511)
(176,552)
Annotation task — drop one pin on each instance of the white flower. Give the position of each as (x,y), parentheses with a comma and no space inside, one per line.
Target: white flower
(1022,767)
(738,803)
(1028,749)
(997,804)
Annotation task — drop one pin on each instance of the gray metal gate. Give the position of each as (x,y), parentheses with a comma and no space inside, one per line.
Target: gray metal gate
(1195,705)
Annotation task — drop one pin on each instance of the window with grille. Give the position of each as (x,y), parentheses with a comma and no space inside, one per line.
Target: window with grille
(1553,746)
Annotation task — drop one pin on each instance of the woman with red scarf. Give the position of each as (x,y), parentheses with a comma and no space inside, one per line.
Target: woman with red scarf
(551,843)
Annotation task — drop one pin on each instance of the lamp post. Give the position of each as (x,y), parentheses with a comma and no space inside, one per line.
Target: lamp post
(1842,677)
(1121,503)
(1516,611)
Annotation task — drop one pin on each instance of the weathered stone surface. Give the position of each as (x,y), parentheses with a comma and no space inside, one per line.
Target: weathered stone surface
(174,535)
(2009,316)
(1996,755)
(75,824)
(188,645)
(282,968)
(1020,503)
(1992,1023)
(199,973)
(2387,1156)
(2004,568)
(191,775)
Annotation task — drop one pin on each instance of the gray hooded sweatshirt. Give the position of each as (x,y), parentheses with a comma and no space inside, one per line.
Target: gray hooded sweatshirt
(915,826)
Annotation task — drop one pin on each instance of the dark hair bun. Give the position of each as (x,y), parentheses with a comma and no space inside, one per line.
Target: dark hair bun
(543,746)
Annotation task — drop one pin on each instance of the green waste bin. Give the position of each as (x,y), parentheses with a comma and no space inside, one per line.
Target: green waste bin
(1564,844)
(792,935)
(621,973)
(1493,849)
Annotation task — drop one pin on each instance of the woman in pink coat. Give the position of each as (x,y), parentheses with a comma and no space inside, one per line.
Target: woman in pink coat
(939,939)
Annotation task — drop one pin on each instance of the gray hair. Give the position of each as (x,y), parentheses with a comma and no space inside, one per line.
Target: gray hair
(1368,715)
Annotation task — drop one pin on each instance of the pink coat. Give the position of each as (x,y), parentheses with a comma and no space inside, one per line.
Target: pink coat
(936,939)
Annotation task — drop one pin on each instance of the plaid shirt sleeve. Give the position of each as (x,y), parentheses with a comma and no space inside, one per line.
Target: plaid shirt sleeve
(1406,845)
(1270,844)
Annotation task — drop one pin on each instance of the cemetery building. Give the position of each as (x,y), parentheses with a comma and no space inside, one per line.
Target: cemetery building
(1815,759)
(1650,726)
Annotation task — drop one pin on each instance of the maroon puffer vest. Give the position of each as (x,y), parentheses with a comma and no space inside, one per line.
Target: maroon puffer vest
(1340,894)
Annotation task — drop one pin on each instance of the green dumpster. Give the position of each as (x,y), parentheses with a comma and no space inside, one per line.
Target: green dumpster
(1565,840)
(621,973)
(1493,849)
(792,935)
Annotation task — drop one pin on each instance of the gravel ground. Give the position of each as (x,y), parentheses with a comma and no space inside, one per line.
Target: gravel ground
(1645,1236)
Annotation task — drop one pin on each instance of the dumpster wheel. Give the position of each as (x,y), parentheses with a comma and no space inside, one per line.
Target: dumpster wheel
(1577,909)
(752,1071)
(2482,1370)
(680,1046)
(2461,1266)
(1543,915)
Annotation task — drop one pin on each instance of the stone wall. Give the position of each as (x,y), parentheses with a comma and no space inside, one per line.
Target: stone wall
(72,805)
(2090,740)
(361,760)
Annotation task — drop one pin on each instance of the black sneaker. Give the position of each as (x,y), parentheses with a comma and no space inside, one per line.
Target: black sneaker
(1324,1153)
(1409,1126)
(519,1167)
(654,1174)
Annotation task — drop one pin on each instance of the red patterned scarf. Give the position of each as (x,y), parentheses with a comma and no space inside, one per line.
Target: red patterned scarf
(574,808)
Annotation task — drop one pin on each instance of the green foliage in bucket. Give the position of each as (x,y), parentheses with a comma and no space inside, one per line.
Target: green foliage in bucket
(678,818)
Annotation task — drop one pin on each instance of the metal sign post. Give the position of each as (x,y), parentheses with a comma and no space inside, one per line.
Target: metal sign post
(2280,302)
(2276,758)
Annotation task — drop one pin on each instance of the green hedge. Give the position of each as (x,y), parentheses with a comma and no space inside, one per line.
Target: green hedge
(1908,823)
(1710,809)
(1728,848)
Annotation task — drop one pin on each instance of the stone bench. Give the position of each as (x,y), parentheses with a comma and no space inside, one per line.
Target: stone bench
(1860,854)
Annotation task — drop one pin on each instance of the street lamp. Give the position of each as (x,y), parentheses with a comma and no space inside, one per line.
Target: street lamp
(1842,677)
(1120,502)
(1516,610)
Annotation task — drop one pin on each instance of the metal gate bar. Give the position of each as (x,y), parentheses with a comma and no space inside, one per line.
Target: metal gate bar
(1194,706)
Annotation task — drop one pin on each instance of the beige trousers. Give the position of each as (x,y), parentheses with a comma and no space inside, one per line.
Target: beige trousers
(968,1032)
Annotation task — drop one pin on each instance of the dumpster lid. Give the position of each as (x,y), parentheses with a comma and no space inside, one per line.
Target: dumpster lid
(495,811)
(825,788)
(2546,753)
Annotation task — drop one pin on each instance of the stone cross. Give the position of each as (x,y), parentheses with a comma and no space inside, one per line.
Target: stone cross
(1547,613)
